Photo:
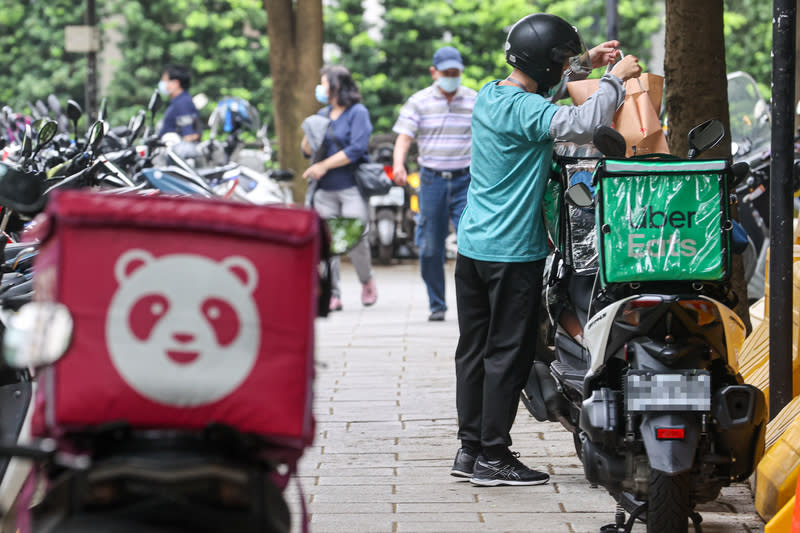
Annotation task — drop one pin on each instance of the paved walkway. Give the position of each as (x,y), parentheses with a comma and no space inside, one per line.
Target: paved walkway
(386,425)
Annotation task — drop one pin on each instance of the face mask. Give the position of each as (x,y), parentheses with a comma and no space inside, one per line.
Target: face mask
(162,87)
(449,85)
(321,94)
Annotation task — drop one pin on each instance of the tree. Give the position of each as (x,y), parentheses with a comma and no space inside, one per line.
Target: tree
(32,41)
(748,40)
(295,55)
(224,43)
(393,67)
(697,90)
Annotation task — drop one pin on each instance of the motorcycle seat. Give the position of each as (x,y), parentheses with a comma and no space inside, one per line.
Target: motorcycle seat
(580,294)
(13,249)
(216,173)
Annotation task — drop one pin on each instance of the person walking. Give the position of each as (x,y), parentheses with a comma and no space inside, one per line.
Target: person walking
(181,116)
(345,144)
(438,117)
(501,238)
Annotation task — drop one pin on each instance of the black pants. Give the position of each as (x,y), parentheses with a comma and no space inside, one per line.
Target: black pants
(498,305)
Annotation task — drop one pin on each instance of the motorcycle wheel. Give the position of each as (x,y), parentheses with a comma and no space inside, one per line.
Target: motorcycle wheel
(668,503)
(385,253)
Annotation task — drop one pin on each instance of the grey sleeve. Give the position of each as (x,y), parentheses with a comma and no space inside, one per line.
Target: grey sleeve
(577,123)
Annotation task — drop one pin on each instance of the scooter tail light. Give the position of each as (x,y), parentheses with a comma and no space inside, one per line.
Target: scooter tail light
(676,433)
(701,310)
(635,310)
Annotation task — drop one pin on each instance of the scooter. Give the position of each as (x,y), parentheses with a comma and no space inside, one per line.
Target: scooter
(392,215)
(642,366)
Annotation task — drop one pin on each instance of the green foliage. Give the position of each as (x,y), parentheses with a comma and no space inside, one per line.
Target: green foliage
(223,42)
(748,40)
(391,69)
(32,43)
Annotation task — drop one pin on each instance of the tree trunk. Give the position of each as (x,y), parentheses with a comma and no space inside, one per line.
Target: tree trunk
(295,56)
(696,89)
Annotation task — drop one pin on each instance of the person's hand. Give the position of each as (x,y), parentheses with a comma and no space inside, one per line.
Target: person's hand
(315,171)
(399,175)
(627,68)
(604,54)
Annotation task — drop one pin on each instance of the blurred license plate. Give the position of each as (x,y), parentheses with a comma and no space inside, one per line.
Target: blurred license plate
(648,391)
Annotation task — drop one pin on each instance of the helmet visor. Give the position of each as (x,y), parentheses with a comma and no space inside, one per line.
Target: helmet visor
(573,53)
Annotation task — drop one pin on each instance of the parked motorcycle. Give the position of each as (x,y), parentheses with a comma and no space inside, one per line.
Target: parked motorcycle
(192,464)
(642,366)
(751,133)
(255,182)
(393,215)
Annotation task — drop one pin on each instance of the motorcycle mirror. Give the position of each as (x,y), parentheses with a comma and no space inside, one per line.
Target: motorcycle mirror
(136,125)
(609,141)
(154,104)
(345,233)
(74,113)
(705,136)
(740,171)
(47,130)
(38,334)
(96,134)
(579,195)
(27,142)
(101,113)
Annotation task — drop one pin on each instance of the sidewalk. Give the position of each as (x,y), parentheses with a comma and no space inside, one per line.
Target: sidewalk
(386,426)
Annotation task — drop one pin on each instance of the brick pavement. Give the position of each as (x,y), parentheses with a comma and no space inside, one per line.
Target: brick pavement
(386,424)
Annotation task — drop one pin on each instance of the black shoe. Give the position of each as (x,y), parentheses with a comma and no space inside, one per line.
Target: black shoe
(464,464)
(436,316)
(507,471)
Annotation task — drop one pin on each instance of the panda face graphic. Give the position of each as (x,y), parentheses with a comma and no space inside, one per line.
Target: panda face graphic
(183,330)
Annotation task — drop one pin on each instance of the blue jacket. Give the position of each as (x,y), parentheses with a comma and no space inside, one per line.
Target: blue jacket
(181,116)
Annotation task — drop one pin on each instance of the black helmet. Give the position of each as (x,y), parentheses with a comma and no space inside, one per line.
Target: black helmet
(539,45)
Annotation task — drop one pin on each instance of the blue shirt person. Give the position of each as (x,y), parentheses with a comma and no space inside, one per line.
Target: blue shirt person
(181,116)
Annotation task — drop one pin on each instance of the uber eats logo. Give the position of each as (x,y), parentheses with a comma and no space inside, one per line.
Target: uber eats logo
(668,243)
(661,226)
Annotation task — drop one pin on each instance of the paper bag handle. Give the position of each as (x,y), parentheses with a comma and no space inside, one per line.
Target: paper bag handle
(621,56)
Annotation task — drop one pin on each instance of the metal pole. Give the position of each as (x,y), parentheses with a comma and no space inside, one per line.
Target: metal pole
(91,65)
(612,20)
(781,213)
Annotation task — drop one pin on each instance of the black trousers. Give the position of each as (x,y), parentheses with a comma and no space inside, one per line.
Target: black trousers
(498,305)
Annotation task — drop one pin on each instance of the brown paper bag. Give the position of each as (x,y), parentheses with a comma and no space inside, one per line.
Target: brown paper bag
(638,118)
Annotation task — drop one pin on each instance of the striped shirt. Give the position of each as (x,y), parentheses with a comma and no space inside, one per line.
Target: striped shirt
(443,130)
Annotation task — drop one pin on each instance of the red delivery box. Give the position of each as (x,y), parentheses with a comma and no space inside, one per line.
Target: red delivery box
(186,312)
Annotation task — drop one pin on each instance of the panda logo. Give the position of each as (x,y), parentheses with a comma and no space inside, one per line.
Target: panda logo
(183,330)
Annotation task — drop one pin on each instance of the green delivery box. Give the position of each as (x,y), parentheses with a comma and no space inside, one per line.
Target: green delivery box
(663,220)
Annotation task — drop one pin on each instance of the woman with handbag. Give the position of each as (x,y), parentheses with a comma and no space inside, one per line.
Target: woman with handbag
(344,145)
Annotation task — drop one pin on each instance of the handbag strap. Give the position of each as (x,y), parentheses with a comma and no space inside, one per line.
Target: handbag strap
(339,145)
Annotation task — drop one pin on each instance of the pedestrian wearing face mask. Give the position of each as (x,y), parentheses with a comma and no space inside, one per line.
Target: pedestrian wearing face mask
(335,149)
(438,117)
(181,116)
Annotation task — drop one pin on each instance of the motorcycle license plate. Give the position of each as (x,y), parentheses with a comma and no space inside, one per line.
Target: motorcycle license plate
(678,391)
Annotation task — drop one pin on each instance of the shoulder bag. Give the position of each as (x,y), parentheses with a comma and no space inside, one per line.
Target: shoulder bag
(371,178)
